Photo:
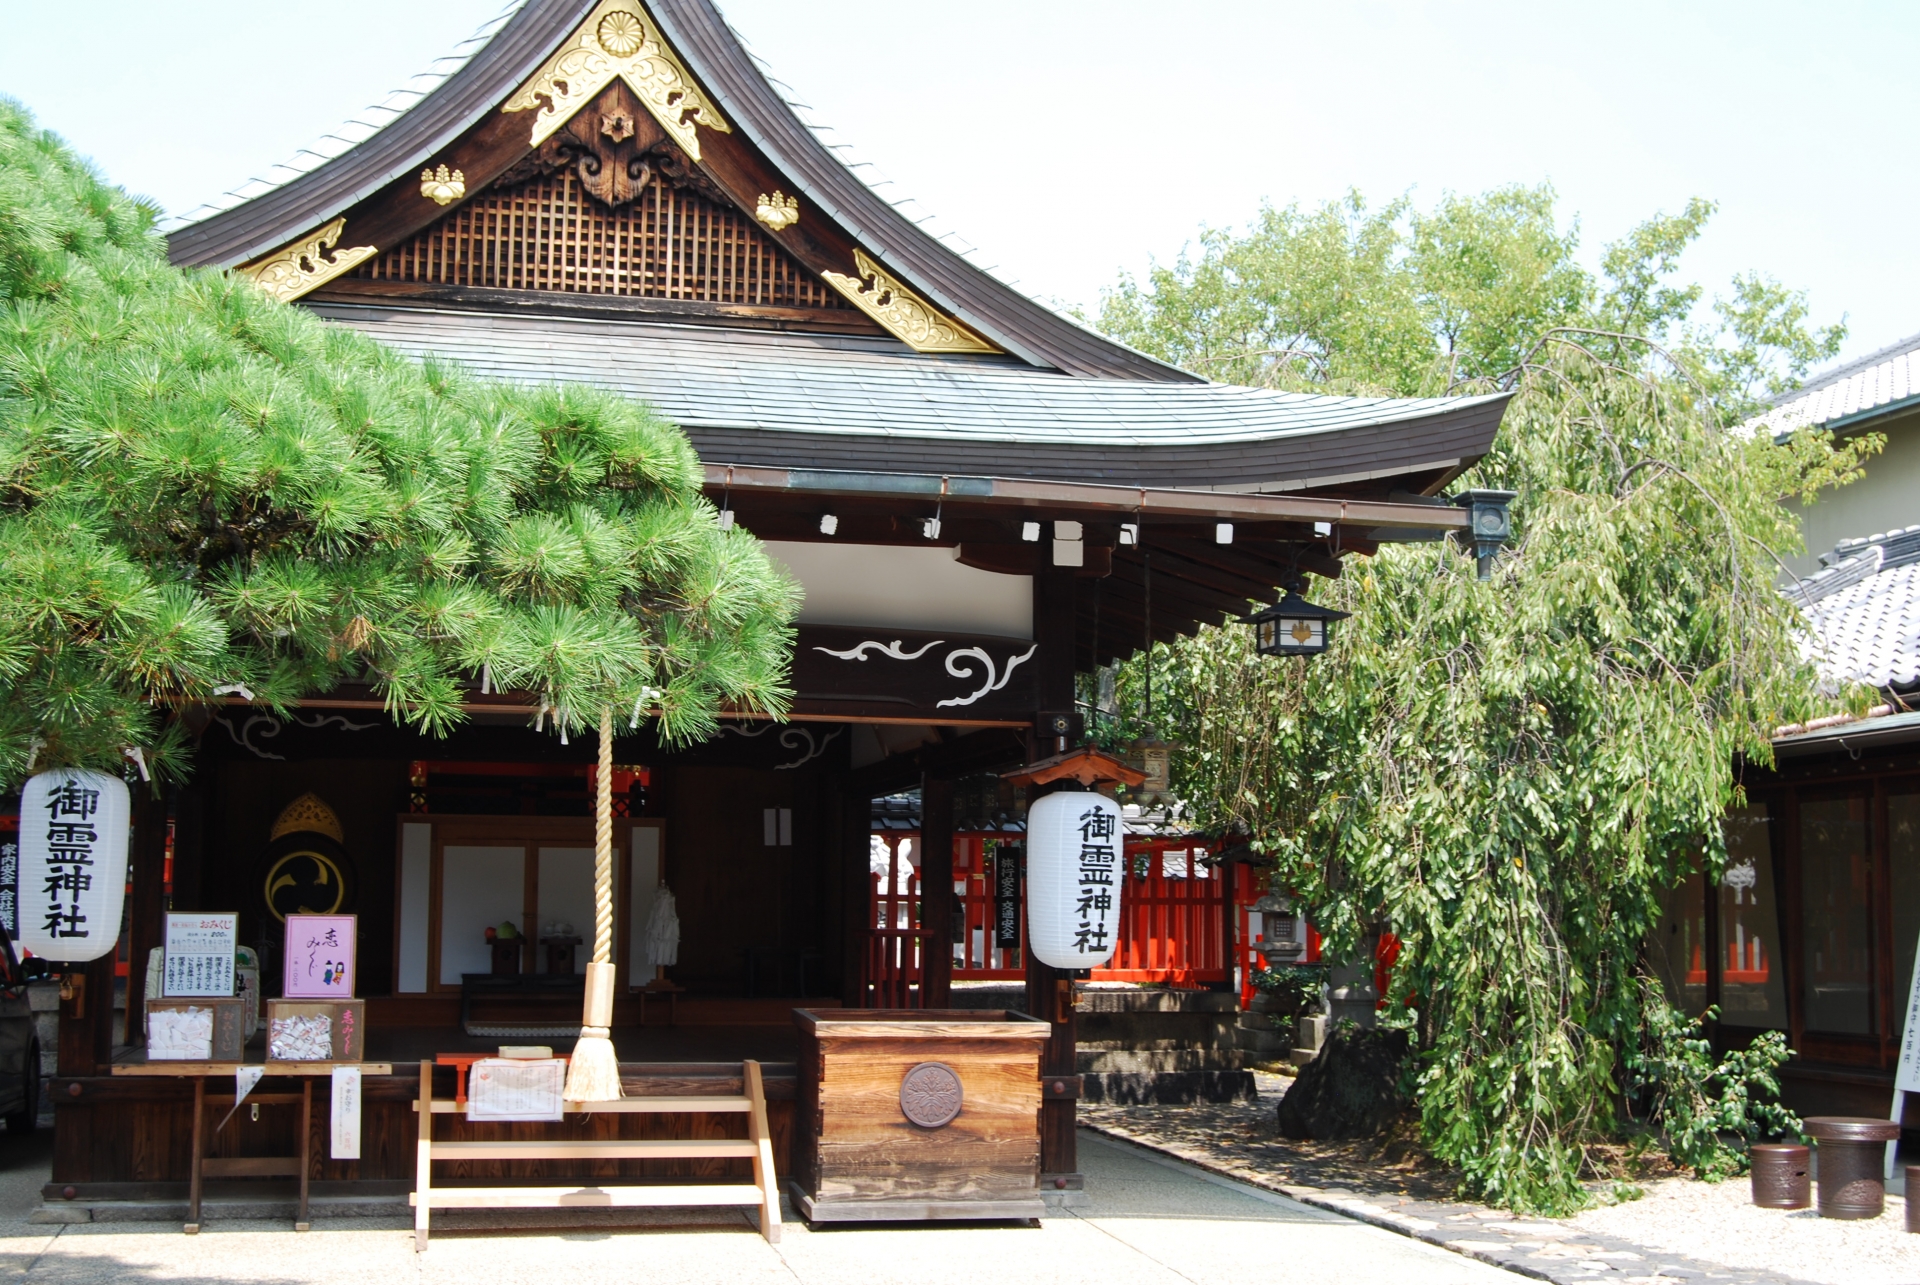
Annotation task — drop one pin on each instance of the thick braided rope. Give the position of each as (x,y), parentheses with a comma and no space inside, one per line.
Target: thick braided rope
(603,845)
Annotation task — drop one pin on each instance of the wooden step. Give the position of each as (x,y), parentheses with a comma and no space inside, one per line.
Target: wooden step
(589,1197)
(597,1149)
(656,1106)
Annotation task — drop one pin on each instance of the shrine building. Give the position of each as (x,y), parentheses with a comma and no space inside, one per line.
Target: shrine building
(981,498)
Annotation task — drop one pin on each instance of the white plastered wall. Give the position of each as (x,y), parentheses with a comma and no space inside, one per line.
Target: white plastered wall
(903,587)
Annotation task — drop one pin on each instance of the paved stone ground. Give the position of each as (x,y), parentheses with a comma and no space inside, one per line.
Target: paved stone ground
(1391,1186)
(1148,1221)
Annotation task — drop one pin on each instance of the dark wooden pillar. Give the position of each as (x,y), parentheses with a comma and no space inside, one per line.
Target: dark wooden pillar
(1050,990)
(936,892)
(851,848)
(147,863)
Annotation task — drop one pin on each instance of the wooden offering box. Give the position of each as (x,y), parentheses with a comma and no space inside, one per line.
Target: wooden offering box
(228,1029)
(917,1113)
(346,1029)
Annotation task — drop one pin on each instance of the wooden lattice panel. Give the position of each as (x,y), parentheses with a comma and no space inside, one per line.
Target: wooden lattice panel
(548,234)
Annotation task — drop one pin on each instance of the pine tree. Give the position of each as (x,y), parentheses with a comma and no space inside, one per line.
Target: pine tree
(202,488)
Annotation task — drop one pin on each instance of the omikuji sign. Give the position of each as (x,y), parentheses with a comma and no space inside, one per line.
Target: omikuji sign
(73,863)
(1074,869)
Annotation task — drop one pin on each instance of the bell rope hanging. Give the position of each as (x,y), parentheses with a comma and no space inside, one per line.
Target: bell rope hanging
(73,863)
(1075,865)
(593,1071)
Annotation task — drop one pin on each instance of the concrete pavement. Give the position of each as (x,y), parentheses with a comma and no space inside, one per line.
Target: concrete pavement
(1148,1221)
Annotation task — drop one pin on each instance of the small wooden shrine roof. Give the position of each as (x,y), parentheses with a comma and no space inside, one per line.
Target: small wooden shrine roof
(792,400)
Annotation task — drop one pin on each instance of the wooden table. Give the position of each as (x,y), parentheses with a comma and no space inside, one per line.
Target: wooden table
(204,1166)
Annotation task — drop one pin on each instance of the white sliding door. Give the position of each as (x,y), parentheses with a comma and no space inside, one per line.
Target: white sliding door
(566,896)
(479,888)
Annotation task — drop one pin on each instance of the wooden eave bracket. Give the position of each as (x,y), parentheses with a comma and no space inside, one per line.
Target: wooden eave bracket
(1085,765)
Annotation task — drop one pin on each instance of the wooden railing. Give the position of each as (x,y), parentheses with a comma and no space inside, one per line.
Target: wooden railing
(1172,922)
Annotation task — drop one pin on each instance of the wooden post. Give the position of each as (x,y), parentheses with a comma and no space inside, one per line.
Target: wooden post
(936,892)
(423,1159)
(146,914)
(1229,922)
(198,1155)
(1049,990)
(851,847)
(86,1019)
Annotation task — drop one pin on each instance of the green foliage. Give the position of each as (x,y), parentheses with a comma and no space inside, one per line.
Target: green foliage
(1509,772)
(201,487)
(1295,987)
(1697,1104)
(1411,303)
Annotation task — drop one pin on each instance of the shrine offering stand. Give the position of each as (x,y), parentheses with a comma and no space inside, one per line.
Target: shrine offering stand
(917,1113)
(203,1166)
(756,1147)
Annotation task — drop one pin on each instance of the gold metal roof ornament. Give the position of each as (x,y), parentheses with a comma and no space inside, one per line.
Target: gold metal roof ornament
(618,39)
(289,273)
(906,316)
(778,211)
(442,186)
(308,815)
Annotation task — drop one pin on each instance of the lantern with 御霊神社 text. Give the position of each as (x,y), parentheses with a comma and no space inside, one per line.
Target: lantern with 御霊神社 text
(1074,869)
(73,863)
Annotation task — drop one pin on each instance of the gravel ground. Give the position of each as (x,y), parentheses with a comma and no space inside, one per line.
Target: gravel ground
(1680,1229)
(1719,1223)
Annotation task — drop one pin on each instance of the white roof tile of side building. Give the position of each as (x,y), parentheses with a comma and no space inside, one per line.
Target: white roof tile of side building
(1877,382)
(1863,610)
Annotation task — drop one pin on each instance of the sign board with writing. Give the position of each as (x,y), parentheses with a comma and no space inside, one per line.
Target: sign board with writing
(10,875)
(199,955)
(1006,897)
(1906,1071)
(73,863)
(320,957)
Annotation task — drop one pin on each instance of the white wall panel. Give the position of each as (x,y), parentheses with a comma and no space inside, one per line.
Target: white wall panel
(416,886)
(887,586)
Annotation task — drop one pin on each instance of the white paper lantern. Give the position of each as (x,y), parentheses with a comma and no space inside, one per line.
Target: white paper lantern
(73,863)
(1076,862)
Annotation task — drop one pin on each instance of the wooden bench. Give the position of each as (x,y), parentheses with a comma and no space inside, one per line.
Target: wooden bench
(757,1147)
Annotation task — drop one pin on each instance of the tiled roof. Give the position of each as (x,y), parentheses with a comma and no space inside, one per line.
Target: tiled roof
(1876,382)
(860,394)
(1864,609)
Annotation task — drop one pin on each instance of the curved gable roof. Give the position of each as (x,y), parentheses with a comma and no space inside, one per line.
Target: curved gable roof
(700,36)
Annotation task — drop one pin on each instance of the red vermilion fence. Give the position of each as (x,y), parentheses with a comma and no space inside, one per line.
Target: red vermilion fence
(1173,927)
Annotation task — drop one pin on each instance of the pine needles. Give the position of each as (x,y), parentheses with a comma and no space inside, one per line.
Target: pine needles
(201,487)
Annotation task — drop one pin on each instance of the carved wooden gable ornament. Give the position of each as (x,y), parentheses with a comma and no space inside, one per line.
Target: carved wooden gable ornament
(614,113)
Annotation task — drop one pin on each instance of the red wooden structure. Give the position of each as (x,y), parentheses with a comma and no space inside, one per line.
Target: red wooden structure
(1172,918)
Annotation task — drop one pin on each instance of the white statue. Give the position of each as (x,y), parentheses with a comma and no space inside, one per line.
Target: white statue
(663,930)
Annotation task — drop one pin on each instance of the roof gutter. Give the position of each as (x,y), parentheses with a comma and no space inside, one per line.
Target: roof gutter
(1158,502)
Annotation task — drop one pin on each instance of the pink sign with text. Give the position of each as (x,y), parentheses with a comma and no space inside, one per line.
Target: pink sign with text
(319,958)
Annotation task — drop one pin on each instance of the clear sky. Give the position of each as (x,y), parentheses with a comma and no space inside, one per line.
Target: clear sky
(1069,139)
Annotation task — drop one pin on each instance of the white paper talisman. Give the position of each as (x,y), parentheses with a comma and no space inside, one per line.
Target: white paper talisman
(516,1089)
(346,1113)
(245,1080)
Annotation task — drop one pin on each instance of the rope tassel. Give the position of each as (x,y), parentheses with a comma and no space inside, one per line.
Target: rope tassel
(593,1074)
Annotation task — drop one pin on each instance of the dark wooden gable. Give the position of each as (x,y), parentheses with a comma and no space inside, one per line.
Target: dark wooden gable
(609,205)
(372,219)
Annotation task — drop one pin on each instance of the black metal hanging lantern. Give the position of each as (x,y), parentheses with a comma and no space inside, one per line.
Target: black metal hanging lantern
(1293,627)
